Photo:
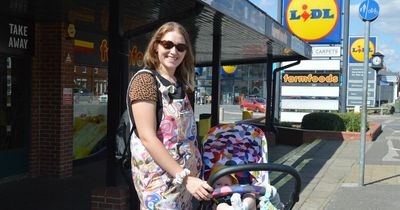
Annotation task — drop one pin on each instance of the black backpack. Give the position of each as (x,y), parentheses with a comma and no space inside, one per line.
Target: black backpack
(124,133)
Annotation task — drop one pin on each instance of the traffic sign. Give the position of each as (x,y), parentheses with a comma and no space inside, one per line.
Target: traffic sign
(369,10)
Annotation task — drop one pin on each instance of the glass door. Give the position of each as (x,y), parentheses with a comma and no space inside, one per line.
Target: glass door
(15,82)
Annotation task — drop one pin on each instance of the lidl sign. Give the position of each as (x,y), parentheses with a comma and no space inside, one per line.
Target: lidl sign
(314,21)
(356,51)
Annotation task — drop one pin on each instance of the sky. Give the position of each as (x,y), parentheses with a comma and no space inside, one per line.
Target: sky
(386,27)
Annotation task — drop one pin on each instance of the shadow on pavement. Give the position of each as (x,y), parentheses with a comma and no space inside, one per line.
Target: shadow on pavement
(307,159)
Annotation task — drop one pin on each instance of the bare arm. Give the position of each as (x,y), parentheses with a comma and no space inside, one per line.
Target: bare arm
(145,119)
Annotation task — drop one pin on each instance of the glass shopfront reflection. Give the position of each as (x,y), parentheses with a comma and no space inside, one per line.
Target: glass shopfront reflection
(90,111)
(14,114)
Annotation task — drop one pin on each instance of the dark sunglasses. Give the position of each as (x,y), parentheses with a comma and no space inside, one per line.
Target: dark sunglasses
(169,45)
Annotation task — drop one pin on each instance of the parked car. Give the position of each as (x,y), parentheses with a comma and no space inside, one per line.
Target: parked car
(103,98)
(83,95)
(254,104)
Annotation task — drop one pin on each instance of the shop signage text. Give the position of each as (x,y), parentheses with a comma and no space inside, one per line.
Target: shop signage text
(325,51)
(310,78)
(18,36)
(356,51)
(314,21)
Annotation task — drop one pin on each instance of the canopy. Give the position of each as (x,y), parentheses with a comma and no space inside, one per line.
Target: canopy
(248,34)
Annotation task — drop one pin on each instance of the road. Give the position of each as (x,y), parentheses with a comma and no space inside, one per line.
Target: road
(232,113)
(386,149)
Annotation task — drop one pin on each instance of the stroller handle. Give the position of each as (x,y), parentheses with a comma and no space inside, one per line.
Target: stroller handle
(263,167)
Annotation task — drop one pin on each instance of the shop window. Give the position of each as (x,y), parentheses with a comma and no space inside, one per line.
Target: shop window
(90,111)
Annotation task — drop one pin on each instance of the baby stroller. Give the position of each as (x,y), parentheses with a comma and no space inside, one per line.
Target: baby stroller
(242,149)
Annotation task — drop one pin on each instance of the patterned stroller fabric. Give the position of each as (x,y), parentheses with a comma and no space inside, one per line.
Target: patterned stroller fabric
(235,144)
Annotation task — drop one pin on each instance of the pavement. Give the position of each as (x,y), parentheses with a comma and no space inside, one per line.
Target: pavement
(329,171)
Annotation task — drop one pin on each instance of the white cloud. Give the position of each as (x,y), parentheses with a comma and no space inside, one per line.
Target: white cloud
(385,27)
(391,57)
(387,21)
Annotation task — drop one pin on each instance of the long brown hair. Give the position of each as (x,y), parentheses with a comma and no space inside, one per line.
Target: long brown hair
(185,71)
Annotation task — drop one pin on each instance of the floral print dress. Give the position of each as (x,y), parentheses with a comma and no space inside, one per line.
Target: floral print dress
(178,133)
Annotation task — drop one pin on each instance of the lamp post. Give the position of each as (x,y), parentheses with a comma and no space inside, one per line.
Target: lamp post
(368,11)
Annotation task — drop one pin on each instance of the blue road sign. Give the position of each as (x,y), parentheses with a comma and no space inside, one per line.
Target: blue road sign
(369,10)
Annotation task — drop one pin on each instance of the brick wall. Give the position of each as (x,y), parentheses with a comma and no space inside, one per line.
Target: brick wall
(110,198)
(51,146)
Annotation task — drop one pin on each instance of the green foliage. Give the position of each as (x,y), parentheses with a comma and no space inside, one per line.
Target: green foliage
(349,121)
(352,121)
(388,108)
(323,121)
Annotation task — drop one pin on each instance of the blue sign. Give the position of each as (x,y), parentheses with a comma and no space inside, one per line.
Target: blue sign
(310,16)
(369,10)
(356,51)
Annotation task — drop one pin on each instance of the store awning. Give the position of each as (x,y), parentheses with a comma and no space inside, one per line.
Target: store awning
(248,34)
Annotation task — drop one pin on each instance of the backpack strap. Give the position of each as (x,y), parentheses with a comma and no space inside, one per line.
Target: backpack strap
(158,102)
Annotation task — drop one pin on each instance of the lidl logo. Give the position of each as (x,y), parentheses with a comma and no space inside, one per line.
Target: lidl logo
(356,51)
(229,69)
(316,21)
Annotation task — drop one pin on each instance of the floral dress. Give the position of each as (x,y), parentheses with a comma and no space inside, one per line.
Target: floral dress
(178,133)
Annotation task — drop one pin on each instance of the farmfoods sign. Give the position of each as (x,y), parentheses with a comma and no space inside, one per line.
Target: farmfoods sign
(308,78)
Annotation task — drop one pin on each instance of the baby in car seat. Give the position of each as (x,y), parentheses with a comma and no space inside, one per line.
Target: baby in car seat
(235,201)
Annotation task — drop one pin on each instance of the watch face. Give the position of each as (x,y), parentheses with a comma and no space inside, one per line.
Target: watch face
(376,60)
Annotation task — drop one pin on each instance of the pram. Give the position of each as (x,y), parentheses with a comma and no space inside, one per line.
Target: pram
(242,148)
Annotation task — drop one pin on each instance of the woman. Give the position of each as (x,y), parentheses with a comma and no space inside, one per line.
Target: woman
(166,162)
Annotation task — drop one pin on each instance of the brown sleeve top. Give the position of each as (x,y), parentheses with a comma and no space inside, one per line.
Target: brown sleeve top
(143,88)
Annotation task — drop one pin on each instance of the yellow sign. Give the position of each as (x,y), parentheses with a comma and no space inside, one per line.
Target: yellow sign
(229,69)
(357,50)
(312,20)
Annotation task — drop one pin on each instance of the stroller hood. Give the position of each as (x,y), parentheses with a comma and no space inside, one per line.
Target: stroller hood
(235,144)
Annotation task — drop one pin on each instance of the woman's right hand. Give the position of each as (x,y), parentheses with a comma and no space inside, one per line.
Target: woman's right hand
(198,188)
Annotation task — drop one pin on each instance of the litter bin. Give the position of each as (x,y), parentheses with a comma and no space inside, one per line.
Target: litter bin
(247,115)
(204,125)
(397,105)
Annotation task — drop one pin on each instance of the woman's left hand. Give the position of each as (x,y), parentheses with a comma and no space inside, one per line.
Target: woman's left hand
(199,188)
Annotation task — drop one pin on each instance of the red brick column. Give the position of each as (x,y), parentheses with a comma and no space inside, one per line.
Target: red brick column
(51,145)
(110,198)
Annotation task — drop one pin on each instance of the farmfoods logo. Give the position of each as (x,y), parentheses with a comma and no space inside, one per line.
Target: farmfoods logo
(312,20)
(310,78)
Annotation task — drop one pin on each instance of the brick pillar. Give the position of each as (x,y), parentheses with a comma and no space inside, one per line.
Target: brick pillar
(52,138)
(110,198)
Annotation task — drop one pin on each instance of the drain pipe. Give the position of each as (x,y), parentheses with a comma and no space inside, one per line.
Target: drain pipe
(274,88)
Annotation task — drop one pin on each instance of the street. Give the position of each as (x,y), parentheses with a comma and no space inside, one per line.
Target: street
(232,113)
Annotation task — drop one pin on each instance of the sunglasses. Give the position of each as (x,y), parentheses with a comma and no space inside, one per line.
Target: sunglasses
(169,45)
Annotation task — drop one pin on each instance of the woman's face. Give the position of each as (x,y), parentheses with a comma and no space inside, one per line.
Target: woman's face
(171,50)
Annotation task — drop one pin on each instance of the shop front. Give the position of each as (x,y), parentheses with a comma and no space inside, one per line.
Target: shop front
(16,44)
